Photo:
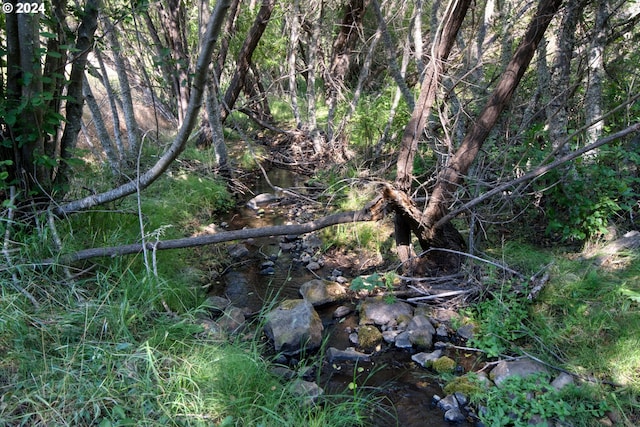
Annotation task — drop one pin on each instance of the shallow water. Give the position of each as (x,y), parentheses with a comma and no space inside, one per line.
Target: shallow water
(406,389)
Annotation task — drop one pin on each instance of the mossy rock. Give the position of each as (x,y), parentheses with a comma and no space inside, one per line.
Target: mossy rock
(466,384)
(369,336)
(444,365)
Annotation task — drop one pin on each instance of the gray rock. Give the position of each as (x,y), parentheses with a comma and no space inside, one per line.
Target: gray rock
(521,367)
(380,312)
(342,311)
(237,288)
(216,304)
(313,266)
(261,199)
(238,251)
(232,320)
(353,338)
(425,359)
(447,403)
(465,332)
(319,292)
(293,326)
(389,336)
(562,381)
(310,391)
(402,340)
(454,415)
(421,332)
(350,354)
(461,398)
(442,332)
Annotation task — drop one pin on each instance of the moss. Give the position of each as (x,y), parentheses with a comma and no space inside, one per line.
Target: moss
(369,336)
(466,384)
(444,365)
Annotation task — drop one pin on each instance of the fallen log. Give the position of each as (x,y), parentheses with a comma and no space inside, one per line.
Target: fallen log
(374,211)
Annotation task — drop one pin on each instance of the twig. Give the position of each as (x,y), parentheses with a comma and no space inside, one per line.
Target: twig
(477,258)
(436,296)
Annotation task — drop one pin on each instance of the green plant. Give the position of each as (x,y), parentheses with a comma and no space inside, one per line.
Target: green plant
(525,401)
(500,321)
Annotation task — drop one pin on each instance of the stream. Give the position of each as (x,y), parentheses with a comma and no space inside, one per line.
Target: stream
(266,272)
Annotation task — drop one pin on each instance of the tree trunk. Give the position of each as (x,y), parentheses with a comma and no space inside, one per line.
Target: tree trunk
(291,62)
(445,38)
(596,74)
(179,142)
(244,58)
(125,87)
(350,30)
(452,175)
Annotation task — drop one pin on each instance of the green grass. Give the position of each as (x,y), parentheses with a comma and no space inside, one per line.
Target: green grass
(585,321)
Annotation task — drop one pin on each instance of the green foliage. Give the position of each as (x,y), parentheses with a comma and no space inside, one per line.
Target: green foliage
(523,401)
(499,321)
(593,194)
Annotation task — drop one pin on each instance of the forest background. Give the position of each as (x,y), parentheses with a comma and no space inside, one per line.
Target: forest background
(481,126)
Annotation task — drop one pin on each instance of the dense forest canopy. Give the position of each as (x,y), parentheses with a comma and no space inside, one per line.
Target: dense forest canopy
(340,81)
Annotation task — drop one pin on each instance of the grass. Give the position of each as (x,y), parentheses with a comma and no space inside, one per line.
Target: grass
(585,321)
(101,349)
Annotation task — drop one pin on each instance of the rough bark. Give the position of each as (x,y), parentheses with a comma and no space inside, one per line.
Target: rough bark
(291,62)
(443,43)
(452,175)
(244,57)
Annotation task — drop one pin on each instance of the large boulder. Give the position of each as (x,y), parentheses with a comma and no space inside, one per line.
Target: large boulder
(294,326)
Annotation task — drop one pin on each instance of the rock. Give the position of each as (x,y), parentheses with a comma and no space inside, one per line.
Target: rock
(287,247)
(461,398)
(425,359)
(562,381)
(216,304)
(465,332)
(353,338)
(402,340)
(389,336)
(294,326)
(319,292)
(313,266)
(238,251)
(442,332)
(283,372)
(350,354)
(237,288)
(267,271)
(521,367)
(454,415)
(369,337)
(342,311)
(232,320)
(310,391)
(447,403)
(380,312)
(261,199)
(421,332)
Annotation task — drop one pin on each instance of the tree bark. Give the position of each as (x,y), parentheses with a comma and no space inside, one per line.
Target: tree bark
(374,211)
(452,175)
(244,58)
(443,43)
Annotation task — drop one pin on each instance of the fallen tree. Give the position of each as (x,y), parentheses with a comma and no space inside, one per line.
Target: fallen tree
(374,211)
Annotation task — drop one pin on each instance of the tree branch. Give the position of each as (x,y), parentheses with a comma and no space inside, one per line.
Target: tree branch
(538,172)
(374,211)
